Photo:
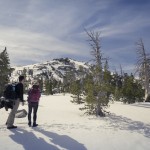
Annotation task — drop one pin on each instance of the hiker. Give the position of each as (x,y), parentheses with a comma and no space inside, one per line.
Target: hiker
(34,95)
(19,98)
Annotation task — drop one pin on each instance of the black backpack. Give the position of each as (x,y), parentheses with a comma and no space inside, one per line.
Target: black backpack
(6,103)
(10,92)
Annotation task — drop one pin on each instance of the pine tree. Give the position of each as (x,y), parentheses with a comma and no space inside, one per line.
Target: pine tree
(24,72)
(117,86)
(5,70)
(68,79)
(96,91)
(40,80)
(90,95)
(76,90)
(131,90)
(48,87)
(107,79)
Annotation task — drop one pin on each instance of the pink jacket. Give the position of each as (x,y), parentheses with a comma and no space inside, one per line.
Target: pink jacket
(34,95)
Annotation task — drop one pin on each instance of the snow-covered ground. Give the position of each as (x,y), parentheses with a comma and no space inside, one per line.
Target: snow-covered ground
(62,126)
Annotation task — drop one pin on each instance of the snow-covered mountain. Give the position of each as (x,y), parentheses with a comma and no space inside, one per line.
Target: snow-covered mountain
(55,68)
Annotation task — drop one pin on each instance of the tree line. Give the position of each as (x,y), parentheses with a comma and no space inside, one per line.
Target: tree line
(97,86)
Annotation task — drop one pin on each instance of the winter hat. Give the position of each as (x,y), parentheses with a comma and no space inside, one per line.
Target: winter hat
(35,86)
(35,82)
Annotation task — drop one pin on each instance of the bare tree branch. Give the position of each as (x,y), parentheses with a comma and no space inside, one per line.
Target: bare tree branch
(143,66)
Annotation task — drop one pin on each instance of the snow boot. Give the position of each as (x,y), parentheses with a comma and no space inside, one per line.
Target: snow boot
(35,125)
(29,124)
(12,127)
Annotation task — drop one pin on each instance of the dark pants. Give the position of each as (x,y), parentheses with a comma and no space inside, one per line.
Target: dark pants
(34,106)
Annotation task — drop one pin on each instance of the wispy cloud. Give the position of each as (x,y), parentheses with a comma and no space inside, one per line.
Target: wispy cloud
(36,30)
(34,45)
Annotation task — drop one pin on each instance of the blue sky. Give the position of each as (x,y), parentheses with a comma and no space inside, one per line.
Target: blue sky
(39,30)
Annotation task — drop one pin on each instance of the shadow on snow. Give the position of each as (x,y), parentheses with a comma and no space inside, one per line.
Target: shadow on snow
(31,142)
(123,123)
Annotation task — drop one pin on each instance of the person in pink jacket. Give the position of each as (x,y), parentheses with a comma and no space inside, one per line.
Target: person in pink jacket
(34,95)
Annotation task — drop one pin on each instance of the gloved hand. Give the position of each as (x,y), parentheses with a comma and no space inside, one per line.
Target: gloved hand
(23,102)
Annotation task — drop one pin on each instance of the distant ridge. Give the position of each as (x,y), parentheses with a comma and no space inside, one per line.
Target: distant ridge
(55,68)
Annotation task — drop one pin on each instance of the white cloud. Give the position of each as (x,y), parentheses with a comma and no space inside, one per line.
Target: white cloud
(24,44)
(36,30)
(121,29)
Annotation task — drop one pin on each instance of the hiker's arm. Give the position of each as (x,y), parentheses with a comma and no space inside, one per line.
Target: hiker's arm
(21,93)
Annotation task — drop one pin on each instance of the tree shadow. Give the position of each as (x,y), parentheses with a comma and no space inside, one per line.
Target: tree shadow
(141,105)
(30,141)
(123,123)
(63,141)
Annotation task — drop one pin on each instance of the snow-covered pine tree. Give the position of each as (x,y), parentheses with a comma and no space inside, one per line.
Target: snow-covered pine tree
(5,70)
(143,67)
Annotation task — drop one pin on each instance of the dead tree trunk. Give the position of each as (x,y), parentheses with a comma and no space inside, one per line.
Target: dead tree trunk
(143,67)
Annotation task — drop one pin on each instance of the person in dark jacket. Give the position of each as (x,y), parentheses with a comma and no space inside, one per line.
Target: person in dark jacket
(34,95)
(19,93)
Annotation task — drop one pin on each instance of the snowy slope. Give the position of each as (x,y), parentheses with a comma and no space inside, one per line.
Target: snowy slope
(62,126)
(55,68)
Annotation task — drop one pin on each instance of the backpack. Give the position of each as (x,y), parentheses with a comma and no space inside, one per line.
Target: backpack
(33,95)
(10,92)
(6,103)
(21,113)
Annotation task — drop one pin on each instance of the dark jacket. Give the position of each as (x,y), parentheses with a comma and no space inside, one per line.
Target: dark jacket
(19,91)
